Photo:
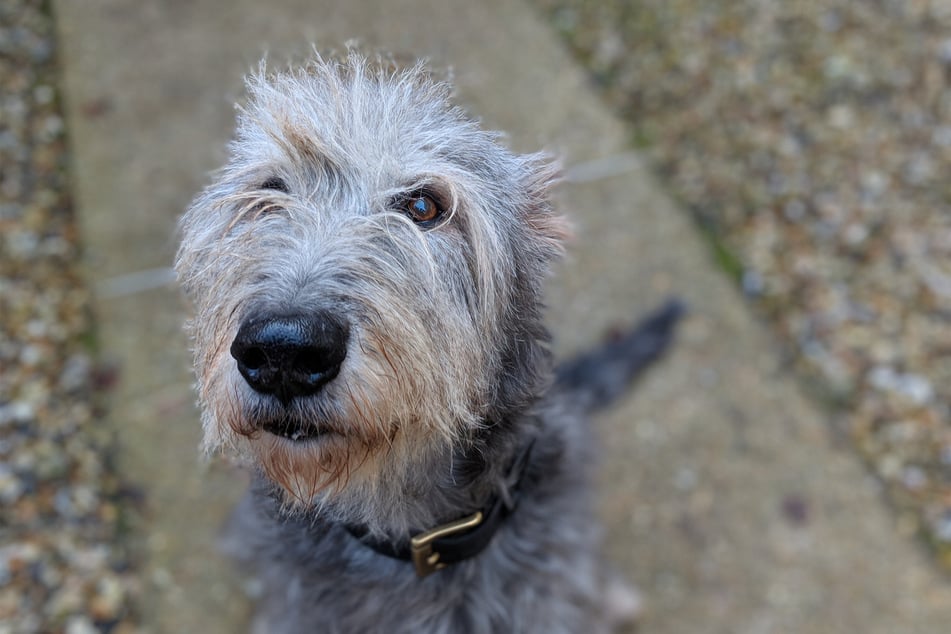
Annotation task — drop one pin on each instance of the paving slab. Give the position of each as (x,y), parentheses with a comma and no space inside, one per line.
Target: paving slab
(724,496)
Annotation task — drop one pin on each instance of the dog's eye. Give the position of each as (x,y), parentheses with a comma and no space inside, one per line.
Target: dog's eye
(275,183)
(422,209)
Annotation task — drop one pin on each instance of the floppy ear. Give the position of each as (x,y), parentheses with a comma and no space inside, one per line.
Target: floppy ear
(543,173)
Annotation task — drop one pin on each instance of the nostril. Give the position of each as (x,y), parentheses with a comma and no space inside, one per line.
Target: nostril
(253,358)
(311,361)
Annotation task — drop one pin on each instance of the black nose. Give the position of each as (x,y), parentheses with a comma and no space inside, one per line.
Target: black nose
(290,355)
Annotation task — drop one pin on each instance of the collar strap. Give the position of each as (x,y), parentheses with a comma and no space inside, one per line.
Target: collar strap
(459,540)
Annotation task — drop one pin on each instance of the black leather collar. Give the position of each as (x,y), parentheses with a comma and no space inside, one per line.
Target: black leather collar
(456,541)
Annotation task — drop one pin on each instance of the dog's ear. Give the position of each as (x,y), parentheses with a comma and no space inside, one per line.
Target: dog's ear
(543,174)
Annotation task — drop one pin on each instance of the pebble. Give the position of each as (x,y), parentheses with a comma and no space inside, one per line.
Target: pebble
(917,389)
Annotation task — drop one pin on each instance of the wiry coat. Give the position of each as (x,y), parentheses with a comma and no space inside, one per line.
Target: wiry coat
(447,371)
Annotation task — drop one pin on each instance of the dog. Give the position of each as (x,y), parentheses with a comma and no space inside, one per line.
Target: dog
(366,274)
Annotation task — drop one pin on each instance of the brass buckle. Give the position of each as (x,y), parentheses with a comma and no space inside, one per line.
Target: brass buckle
(425,559)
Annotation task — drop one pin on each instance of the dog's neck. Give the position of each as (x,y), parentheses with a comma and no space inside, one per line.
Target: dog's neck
(451,482)
(462,537)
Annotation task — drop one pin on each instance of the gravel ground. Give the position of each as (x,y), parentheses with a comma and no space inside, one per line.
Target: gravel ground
(812,141)
(61,566)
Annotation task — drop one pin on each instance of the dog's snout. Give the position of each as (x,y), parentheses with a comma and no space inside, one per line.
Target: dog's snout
(290,355)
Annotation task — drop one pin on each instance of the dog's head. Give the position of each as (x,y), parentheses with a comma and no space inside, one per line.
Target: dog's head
(366,275)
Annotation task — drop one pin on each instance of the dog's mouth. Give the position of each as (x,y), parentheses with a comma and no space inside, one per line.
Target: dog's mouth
(294,429)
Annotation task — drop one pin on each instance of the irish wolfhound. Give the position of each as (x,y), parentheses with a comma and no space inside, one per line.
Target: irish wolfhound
(366,273)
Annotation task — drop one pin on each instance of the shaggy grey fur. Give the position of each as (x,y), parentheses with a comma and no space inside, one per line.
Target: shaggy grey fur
(446,373)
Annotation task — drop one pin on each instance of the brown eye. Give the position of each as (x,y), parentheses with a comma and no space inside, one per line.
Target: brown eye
(422,209)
